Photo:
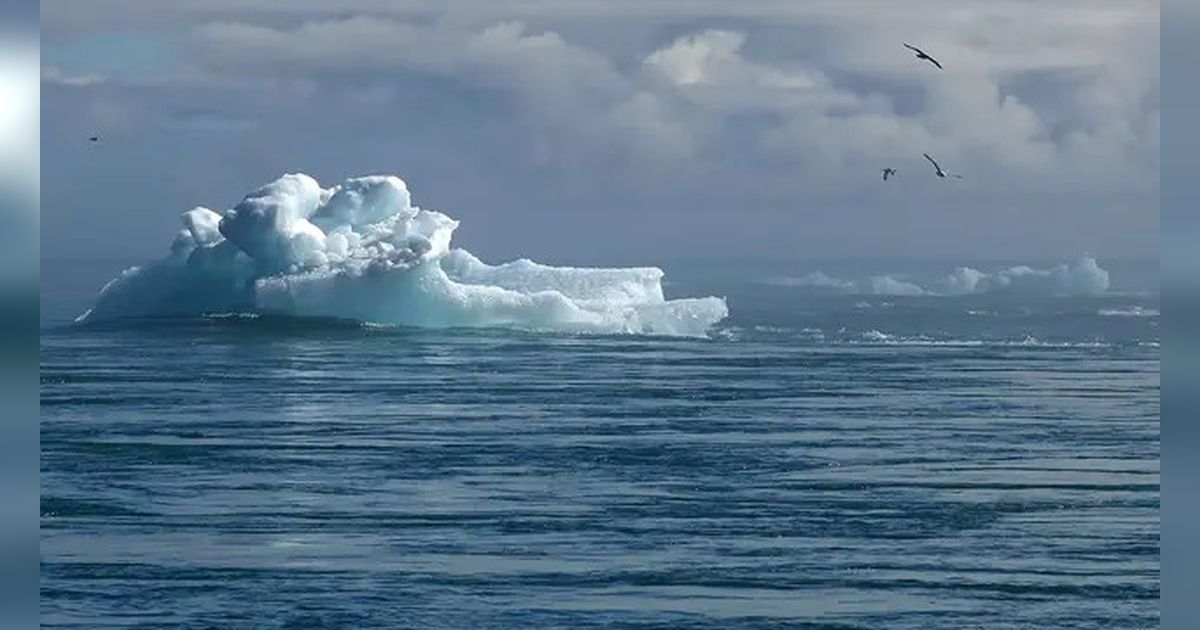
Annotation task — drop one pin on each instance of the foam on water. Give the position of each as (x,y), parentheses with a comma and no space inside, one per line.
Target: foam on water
(362,251)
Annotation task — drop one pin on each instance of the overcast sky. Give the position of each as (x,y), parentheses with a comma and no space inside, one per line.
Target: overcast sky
(620,131)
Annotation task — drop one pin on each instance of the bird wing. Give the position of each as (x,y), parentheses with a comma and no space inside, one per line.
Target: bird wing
(912,48)
(931,161)
(934,61)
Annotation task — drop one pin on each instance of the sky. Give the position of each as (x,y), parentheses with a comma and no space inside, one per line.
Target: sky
(620,131)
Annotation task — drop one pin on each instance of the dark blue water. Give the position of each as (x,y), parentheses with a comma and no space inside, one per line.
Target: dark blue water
(828,460)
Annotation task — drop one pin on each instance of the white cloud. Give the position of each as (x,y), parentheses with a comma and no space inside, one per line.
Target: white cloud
(574,94)
(1046,109)
(697,89)
(709,69)
(52,74)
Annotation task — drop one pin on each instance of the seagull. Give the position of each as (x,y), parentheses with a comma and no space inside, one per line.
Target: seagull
(938,170)
(888,172)
(921,54)
(94,139)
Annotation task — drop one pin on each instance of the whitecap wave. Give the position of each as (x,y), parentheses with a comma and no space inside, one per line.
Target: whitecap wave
(875,337)
(362,251)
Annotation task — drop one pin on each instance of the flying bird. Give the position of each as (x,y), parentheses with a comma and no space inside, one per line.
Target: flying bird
(921,54)
(94,139)
(888,172)
(938,169)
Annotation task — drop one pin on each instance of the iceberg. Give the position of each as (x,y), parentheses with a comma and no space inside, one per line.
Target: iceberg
(1082,276)
(362,251)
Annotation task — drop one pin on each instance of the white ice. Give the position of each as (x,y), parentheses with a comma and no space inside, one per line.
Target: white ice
(362,251)
(1080,277)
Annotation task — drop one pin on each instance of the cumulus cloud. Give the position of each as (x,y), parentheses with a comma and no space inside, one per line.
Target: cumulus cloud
(754,105)
(690,97)
(571,92)
(714,58)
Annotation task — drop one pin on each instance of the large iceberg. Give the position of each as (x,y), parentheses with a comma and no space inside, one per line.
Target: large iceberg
(362,251)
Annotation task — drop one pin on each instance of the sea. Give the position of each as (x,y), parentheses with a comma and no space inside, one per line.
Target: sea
(825,458)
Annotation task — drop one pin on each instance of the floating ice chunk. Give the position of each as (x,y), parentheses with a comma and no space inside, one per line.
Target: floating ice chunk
(1082,276)
(813,280)
(887,285)
(362,251)
(961,281)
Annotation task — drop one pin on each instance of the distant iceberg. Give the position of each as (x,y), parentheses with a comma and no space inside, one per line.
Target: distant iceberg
(1080,277)
(362,251)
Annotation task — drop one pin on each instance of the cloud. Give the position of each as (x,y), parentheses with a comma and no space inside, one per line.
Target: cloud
(52,74)
(572,93)
(697,95)
(702,96)
(714,57)
(758,110)
(708,70)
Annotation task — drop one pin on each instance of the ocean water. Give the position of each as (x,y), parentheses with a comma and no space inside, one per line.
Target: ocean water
(823,459)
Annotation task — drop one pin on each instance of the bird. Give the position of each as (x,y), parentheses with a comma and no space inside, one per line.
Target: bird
(938,169)
(888,172)
(921,54)
(94,139)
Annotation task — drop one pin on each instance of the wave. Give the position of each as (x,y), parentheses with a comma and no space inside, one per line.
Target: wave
(361,251)
(1080,277)
(875,337)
